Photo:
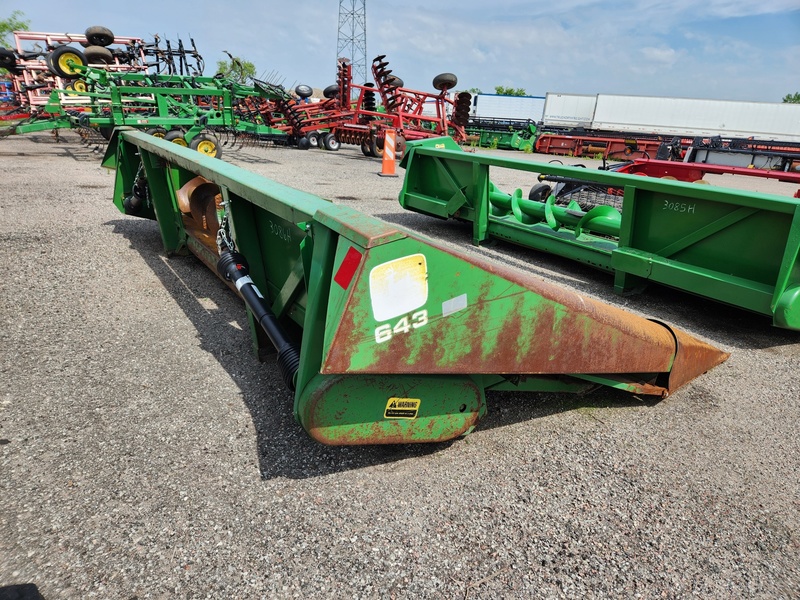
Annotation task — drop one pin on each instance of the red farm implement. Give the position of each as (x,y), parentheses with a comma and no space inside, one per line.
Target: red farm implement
(350,113)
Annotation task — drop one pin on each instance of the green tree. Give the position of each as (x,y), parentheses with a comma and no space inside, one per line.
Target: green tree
(236,69)
(509,91)
(792,98)
(475,91)
(13,23)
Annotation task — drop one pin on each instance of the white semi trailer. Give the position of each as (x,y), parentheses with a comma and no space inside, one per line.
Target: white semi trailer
(513,108)
(688,117)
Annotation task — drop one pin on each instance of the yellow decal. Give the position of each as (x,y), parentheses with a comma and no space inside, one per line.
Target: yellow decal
(402,408)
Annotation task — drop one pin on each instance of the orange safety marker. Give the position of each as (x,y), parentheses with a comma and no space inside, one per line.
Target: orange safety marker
(387,164)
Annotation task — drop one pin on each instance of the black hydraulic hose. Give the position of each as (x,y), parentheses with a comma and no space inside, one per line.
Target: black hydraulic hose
(233,267)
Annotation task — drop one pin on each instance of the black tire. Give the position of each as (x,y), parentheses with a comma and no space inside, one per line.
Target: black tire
(304,91)
(206,143)
(176,137)
(331,91)
(106,132)
(445,81)
(375,150)
(158,132)
(98,55)
(60,59)
(99,36)
(539,192)
(366,149)
(8,60)
(313,138)
(303,143)
(330,142)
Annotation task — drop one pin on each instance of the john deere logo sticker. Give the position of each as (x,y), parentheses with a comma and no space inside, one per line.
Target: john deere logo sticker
(402,408)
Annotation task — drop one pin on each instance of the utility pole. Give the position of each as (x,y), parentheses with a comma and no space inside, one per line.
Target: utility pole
(352,43)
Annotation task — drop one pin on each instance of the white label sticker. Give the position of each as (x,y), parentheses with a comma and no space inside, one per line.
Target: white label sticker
(398,287)
(454,305)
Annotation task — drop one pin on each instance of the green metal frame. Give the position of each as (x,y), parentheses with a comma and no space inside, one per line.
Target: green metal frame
(736,247)
(149,101)
(504,139)
(400,338)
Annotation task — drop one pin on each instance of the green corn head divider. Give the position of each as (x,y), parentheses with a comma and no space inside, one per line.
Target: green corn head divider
(736,247)
(398,337)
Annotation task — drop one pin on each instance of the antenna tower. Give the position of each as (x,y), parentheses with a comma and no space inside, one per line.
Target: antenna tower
(352,43)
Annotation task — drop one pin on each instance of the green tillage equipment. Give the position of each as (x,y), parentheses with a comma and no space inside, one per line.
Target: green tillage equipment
(152,101)
(384,336)
(492,135)
(737,247)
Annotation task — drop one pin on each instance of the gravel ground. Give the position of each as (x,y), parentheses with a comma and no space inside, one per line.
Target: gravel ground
(145,453)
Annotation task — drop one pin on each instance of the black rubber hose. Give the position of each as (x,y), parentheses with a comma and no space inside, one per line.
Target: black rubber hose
(233,267)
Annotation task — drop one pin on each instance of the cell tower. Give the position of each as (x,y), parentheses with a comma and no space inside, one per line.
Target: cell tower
(352,42)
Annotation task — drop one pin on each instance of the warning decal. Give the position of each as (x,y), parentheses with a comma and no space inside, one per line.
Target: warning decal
(402,408)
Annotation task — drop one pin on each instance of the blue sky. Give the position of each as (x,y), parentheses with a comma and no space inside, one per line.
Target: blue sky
(722,49)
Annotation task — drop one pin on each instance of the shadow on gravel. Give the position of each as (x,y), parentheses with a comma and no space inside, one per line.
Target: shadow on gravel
(285,450)
(248,154)
(72,146)
(24,591)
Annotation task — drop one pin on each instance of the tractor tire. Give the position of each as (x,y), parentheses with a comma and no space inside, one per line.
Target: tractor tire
(445,81)
(331,91)
(313,138)
(158,132)
(105,132)
(61,59)
(329,142)
(375,150)
(99,36)
(79,85)
(206,143)
(366,149)
(304,143)
(98,55)
(176,137)
(304,91)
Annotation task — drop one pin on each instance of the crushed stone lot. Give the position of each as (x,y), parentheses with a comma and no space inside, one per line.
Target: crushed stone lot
(146,453)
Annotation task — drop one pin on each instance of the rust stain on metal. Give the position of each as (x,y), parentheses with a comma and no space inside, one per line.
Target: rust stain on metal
(542,330)
(331,427)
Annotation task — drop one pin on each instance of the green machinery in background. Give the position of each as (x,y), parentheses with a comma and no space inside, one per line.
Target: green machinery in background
(193,111)
(385,336)
(503,135)
(737,247)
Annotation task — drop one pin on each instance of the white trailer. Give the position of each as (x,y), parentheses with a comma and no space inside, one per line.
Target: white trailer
(697,117)
(516,108)
(568,110)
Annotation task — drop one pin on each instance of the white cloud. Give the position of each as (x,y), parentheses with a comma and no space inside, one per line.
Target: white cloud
(663,56)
